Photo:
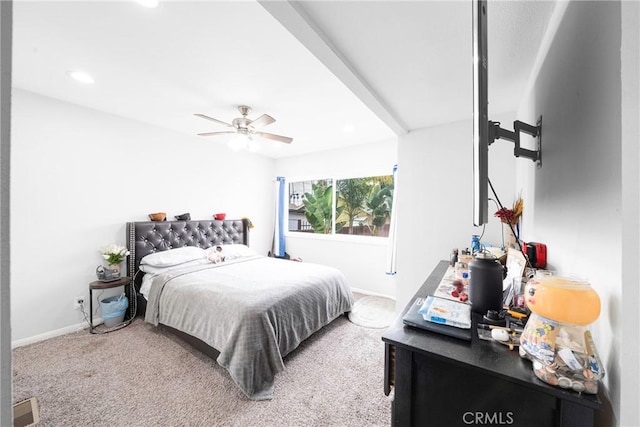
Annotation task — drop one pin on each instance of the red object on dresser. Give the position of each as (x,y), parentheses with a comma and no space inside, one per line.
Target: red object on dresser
(537,253)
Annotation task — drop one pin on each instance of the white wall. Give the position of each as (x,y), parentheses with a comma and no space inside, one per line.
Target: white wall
(629,361)
(436,202)
(78,175)
(576,197)
(362,260)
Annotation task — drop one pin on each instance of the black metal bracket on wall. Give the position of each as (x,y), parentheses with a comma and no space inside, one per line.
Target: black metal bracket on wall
(496,132)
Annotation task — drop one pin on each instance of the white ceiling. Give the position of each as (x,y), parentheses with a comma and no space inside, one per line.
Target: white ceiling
(381,67)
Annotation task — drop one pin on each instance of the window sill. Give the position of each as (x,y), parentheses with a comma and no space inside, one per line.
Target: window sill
(343,238)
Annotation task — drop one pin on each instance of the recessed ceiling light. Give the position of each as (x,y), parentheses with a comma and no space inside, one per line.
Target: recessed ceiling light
(348,128)
(148,3)
(81,76)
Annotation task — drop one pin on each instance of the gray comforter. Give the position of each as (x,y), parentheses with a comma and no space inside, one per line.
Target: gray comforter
(254,311)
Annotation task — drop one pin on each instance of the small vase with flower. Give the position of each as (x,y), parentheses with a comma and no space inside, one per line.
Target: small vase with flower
(510,219)
(114,255)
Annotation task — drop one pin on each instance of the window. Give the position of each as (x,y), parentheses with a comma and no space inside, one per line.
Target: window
(356,206)
(311,206)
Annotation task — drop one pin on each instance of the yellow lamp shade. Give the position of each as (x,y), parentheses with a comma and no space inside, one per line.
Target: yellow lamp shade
(563,299)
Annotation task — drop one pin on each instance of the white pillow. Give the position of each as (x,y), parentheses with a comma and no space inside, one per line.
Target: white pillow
(234,250)
(173,256)
(163,269)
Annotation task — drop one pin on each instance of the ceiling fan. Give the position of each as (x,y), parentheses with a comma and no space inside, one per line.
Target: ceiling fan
(246,127)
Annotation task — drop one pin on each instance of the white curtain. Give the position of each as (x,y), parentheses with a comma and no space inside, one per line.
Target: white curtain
(278,246)
(391,241)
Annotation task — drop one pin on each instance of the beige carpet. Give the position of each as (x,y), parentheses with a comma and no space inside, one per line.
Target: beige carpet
(373,312)
(144,376)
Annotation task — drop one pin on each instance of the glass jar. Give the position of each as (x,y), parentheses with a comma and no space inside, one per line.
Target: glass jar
(557,337)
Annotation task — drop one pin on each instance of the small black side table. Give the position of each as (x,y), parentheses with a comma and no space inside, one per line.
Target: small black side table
(124,281)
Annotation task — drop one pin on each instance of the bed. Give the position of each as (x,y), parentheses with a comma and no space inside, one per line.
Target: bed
(248,311)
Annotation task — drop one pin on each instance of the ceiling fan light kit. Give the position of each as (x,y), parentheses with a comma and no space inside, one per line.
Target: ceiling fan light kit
(246,130)
(243,142)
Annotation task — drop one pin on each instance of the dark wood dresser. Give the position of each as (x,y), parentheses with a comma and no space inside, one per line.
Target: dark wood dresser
(444,381)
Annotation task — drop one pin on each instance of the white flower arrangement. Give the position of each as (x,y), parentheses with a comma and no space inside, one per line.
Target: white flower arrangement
(114,254)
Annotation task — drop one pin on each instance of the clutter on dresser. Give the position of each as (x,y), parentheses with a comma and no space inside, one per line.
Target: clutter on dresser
(416,320)
(501,277)
(438,378)
(557,338)
(512,285)
(454,285)
(536,253)
(500,334)
(498,297)
(516,303)
(453,259)
(446,312)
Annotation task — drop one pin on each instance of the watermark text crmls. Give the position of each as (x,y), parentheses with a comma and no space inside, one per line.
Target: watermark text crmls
(488,418)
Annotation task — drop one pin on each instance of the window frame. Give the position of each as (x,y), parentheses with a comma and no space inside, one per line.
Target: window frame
(333,236)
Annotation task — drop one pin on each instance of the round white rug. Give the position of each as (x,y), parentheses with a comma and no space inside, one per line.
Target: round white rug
(373,312)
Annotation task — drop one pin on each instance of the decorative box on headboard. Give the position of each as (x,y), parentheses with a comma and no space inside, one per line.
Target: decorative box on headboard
(147,237)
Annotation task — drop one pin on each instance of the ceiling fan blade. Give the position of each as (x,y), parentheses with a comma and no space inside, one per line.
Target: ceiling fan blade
(214,120)
(216,133)
(262,121)
(274,137)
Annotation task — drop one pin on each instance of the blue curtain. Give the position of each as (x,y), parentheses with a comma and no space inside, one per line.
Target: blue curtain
(278,247)
(391,242)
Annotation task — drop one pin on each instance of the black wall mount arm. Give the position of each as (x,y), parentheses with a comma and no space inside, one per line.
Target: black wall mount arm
(496,132)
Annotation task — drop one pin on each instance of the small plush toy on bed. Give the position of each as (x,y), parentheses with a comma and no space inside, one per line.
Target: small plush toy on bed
(216,256)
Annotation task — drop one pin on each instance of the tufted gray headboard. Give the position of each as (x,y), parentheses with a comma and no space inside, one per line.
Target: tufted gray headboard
(147,237)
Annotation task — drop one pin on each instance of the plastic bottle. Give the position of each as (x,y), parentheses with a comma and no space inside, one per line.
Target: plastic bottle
(454,258)
(475,243)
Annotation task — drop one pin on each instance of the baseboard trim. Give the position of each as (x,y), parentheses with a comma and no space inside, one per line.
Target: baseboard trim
(52,334)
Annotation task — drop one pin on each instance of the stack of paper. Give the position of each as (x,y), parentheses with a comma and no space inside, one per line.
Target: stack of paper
(445,288)
(446,312)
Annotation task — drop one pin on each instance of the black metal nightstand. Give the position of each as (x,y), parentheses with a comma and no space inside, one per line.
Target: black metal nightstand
(124,281)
